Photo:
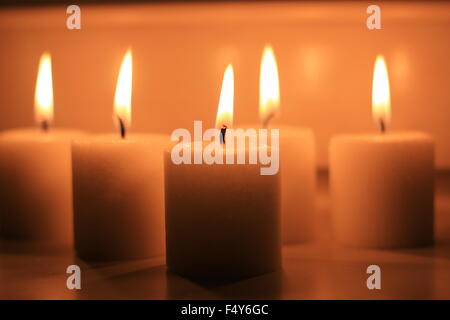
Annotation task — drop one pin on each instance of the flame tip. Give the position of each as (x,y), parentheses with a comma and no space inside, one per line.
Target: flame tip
(268,47)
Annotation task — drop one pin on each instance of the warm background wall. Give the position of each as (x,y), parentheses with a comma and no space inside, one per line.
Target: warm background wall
(324,50)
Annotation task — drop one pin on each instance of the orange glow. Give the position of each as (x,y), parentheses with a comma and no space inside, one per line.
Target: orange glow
(381,98)
(269,88)
(225,111)
(122,99)
(43,95)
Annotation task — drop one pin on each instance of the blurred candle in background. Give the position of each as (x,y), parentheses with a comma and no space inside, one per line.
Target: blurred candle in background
(382,184)
(297,158)
(35,174)
(222,220)
(118,187)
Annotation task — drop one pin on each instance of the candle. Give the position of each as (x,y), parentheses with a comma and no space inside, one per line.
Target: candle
(222,220)
(382,184)
(35,174)
(297,158)
(118,187)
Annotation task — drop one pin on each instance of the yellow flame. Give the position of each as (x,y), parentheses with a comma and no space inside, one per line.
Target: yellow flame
(43,95)
(269,88)
(225,111)
(381,98)
(122,99)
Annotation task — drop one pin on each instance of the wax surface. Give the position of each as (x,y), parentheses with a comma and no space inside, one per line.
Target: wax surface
(119,197)
(222,220)
(382,189)
(36,186)
(298,182)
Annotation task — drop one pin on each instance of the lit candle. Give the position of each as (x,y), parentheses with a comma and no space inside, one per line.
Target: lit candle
(382,184)
(35,174)
(297,158)
(118,187)
(222,220)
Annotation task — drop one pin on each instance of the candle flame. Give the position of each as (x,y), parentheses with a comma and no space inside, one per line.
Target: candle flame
(43,95)
(381,99)
(122,99)
(224,117)
(269,88)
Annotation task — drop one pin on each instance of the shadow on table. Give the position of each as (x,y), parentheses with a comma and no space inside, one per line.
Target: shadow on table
(266,286)
(149,279)
(128,279)
(31,248)
(439,251)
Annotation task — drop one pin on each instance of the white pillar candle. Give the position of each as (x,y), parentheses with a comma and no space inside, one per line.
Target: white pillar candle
(297,159)
(382,185)
(298,184)
(35,175)
(119,196)
(222,220)
(36,186)
(118,187)
(382,189)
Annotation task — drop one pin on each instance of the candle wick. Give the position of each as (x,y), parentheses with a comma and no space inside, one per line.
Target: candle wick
(223,131)
(382,126)
(122,128)
(266,121)
(44,125)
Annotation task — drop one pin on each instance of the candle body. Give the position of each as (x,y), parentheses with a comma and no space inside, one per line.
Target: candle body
(222,220)
(119,197)
(382,189)
(36,186)
(298,182)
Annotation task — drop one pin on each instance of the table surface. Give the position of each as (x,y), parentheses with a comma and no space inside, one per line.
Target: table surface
(314,270)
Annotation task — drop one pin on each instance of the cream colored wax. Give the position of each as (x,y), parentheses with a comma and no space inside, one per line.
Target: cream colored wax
(119,197)
(222,220)
(298,183)
(382,189)
(36,187)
